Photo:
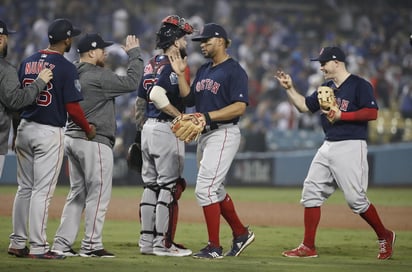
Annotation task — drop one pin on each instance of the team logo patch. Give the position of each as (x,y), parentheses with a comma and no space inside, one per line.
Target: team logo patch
(77,85)
(173,78)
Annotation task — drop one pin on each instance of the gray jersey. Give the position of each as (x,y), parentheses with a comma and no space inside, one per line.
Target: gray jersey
(12,98)
(99,87)
(91,162)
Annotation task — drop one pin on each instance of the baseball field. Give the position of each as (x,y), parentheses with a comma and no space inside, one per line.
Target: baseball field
(344,241)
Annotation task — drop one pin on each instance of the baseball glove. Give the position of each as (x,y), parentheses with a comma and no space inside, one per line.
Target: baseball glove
(327,102)
(134,157)
(188,127)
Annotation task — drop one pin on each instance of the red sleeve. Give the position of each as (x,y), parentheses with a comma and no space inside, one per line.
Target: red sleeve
(77,115)
(365,114)
(187,75)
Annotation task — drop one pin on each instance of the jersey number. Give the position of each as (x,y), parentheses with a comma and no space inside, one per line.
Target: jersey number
(45,97)
(148,84)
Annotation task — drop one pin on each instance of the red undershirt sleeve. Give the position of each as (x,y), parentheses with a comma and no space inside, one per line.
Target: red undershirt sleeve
(77,115)
(365,114)
(187,75)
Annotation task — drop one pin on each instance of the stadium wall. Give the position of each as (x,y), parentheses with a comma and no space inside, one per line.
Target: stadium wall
(389,165)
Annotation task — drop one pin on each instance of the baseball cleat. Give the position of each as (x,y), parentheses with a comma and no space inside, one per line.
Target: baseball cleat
(386,246)
(301,251)
(49,255)
(209,252)
(19,252)
(68,253)
(240,243)
(101,253)
(173,251)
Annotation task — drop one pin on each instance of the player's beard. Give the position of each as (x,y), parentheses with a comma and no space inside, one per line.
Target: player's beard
(5,50)
(183,52)
(207,54)
(68,47)
(100,63)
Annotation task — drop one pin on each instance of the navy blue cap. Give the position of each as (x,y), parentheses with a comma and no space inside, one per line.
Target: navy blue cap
(211,30)
(4,30)
(330,53)
(61,29)
(91,42)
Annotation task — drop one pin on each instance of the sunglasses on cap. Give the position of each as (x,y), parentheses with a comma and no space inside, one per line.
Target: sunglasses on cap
(179,22)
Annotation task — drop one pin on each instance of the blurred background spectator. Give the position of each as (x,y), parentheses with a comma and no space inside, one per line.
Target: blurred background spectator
(266,35)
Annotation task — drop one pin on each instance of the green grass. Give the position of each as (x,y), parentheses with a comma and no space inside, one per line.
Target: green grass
(340,250)
(380,196)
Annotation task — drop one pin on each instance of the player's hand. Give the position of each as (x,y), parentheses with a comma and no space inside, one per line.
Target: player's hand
(284,79)
(333,114)
(46,75)
(92,133)
(178,64)
(131,42)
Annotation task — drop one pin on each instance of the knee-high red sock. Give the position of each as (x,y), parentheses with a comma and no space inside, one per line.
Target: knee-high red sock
(212,217)
(228,211)
(371,216)
(311,221)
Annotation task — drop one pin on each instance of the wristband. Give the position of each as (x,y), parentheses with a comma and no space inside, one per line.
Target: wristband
(207,118)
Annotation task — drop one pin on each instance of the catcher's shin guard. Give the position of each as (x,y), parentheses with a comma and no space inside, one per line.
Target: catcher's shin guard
(164,201)
(147,215)
(167,210)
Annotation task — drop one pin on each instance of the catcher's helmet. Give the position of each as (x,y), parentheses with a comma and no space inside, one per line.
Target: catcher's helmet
(173,27)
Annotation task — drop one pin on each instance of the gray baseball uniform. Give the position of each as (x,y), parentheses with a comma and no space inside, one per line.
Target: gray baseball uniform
(12,98)
(162,152)
(39,140)
(91,162)
(39,150)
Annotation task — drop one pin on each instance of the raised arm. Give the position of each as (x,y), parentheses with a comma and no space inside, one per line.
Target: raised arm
(297,99)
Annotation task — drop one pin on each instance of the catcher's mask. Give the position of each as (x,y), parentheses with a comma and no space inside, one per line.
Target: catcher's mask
(173,27)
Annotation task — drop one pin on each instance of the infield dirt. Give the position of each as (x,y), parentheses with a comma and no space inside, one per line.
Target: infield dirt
(251,213)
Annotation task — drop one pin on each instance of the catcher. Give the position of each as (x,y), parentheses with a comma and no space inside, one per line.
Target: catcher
(159,101)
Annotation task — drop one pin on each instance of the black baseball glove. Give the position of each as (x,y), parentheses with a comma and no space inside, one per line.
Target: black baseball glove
(134,154)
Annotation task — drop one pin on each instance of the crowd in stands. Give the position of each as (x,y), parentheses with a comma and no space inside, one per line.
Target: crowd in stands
(266,35)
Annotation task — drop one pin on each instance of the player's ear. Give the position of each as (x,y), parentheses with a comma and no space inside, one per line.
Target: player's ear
(68,41)
(222,42)
(91,53)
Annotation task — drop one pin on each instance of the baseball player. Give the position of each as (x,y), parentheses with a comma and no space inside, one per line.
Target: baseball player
(162,152)
(91,162)
(341,161)
(39,141)
(220,93)
(12,98)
